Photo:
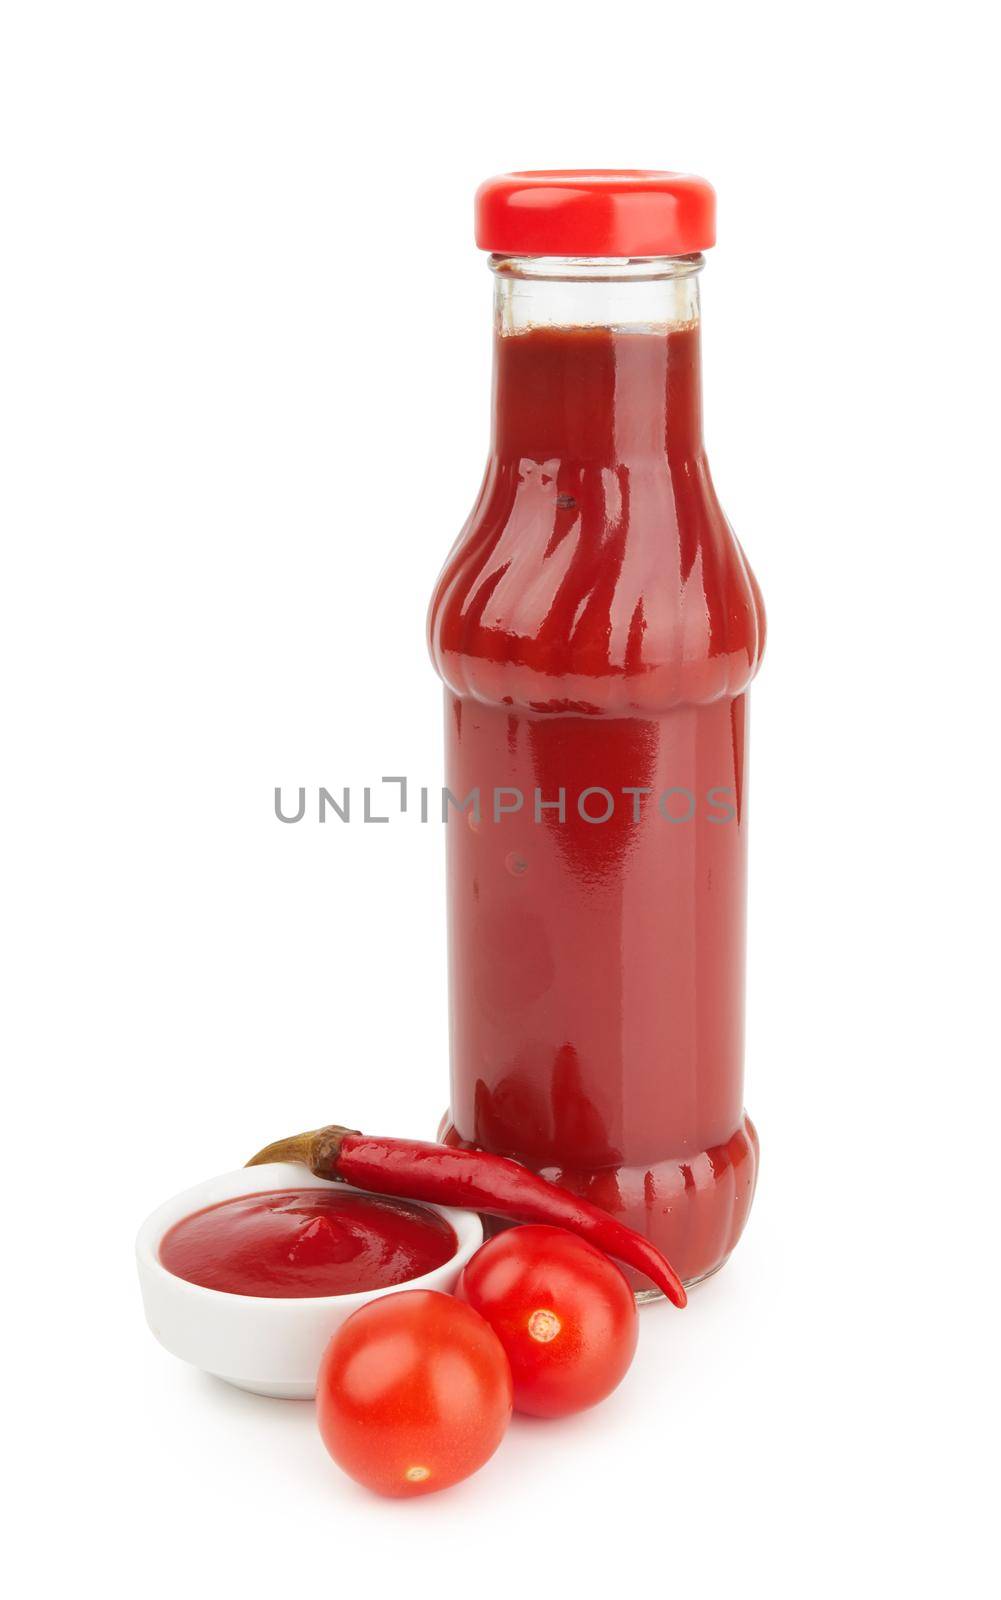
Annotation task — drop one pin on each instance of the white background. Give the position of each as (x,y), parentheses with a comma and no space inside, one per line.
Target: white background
(245,386)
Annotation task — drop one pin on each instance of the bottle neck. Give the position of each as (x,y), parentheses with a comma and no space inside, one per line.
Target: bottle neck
(596,361)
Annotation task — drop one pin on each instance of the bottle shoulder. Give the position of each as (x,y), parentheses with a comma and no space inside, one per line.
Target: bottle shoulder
(590,589)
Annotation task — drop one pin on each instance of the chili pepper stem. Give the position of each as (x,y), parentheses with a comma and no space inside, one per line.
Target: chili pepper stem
(317,1150)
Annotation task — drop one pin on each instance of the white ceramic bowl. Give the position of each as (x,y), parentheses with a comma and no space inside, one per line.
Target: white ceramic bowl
(268,1346)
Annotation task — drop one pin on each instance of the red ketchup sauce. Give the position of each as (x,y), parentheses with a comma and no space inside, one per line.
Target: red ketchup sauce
(296,1243)
(597,625)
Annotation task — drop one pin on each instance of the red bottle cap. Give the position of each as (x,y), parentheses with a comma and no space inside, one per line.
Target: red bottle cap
(595,214)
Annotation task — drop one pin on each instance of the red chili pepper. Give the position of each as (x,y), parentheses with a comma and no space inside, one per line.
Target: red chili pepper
(454,1177)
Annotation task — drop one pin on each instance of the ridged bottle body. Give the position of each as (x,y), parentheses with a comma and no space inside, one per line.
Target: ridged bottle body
(596,628)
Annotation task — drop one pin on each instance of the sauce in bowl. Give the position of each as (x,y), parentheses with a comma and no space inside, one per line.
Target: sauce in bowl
(301,1243)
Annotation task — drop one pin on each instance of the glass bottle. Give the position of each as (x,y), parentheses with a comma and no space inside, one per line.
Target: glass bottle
(597,627)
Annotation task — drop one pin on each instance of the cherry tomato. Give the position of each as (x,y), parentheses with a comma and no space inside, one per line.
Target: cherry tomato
(563,1312)
(413,1393)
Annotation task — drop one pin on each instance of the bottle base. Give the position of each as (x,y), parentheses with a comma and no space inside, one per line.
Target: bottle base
(645,1297)
(693,1208)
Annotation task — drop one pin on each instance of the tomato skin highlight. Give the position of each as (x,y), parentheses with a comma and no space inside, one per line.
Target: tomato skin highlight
(413,1394)
(564,1313)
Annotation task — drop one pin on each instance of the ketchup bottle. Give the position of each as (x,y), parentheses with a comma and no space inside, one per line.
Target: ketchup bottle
(597,627)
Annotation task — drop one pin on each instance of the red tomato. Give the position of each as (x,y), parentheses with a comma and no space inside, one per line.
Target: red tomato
(413,1393)
(563,1312)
